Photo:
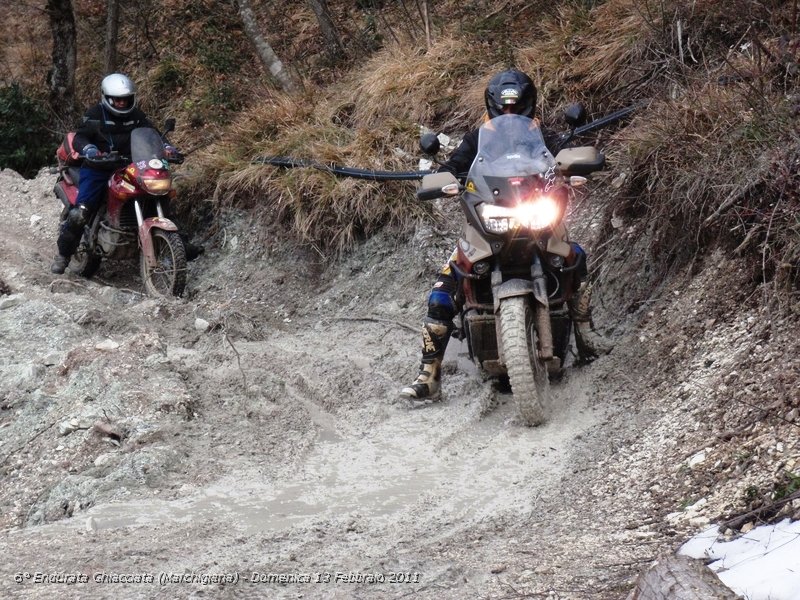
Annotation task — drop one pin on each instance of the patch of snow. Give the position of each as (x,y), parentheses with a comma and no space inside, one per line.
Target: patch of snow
(764,564)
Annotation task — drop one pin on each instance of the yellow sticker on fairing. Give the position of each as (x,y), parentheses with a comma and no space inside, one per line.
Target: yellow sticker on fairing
(470,186)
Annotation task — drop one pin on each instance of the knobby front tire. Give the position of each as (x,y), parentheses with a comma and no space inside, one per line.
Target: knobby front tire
(527,373)
(168,277)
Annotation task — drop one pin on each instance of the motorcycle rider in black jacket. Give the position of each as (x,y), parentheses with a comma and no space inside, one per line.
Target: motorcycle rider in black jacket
(508,92)
(119,116)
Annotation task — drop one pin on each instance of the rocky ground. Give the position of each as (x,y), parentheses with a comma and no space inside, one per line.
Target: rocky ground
(245,440)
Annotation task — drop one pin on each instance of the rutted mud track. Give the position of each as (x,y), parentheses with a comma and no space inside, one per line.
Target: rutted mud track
(271,442)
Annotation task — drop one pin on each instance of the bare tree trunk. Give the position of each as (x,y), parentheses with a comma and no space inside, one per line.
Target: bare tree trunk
(112,30)
(680,578)
(265,52)
(61,78)
(426,19)
(332,39)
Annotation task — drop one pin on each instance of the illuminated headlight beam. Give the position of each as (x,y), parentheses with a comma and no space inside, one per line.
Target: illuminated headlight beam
(539,214)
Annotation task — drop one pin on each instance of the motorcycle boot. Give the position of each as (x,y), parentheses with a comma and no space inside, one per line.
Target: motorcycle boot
(69,237)
(426,387)
(589,342)
(59,264)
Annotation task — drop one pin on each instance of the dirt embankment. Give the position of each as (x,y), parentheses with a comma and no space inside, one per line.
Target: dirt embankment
(250,428)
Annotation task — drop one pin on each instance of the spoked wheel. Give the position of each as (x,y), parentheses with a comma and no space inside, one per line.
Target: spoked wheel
(84,262)
(528,375)
(168,277)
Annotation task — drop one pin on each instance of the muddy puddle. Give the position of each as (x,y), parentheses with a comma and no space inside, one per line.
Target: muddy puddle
(444,455)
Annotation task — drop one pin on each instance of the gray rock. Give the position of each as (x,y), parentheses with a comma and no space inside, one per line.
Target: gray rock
(11,301)
(107,345)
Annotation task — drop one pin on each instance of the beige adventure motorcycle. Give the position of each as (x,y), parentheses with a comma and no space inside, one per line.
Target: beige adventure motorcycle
(514,265)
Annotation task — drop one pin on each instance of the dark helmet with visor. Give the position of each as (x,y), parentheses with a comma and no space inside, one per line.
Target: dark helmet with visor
(512,88)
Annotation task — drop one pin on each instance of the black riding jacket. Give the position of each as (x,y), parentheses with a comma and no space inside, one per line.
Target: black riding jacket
(114,133)
(461,159)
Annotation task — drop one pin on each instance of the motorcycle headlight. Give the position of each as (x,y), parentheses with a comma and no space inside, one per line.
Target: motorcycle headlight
(157,185)
(540,213)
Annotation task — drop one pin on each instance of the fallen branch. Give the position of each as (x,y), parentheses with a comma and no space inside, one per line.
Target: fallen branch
(679,577)
(238,359)
(65,281)
(378,320)
(770,510)
(732,199)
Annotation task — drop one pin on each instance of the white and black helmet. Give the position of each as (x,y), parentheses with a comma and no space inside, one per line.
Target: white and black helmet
(118,94)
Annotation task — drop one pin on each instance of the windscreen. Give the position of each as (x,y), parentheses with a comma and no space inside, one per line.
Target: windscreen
(146,144)
(512,156)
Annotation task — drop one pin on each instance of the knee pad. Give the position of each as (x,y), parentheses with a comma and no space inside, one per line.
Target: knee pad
(77,218)
(441,306)
(438,328)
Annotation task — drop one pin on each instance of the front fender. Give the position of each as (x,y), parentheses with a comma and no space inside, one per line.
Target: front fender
(520,287)
(146,240)
(541,310)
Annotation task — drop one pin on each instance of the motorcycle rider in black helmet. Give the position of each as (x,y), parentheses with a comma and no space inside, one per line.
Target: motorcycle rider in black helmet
(119,116)
(508,92)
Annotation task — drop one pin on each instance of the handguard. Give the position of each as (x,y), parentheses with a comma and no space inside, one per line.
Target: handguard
(434,186)
(580,161)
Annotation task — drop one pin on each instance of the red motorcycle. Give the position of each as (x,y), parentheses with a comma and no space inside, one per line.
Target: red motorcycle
(131,220)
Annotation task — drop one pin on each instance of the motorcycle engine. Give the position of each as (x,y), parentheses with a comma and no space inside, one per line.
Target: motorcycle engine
(116,244)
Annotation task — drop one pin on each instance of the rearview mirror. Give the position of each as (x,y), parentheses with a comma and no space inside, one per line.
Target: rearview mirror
(575,115)
(429,143)
(169,125)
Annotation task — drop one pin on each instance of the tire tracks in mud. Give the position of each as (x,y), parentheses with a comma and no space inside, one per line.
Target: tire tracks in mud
(404,480)
(308,462)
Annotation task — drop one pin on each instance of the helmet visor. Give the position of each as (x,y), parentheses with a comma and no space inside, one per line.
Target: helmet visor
(121,102)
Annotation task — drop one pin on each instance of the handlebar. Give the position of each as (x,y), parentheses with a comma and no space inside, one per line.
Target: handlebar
(111,160)
(106,160)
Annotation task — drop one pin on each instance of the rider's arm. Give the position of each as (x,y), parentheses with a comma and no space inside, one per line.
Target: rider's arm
(551,139)
(141,120)
(461,159)
(87,134)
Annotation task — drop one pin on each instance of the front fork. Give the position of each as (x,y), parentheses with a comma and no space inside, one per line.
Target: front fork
(541,310)
(540,306)
(145,225)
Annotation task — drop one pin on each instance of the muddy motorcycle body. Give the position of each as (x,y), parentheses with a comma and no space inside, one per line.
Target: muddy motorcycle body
(130,222)
(514,265)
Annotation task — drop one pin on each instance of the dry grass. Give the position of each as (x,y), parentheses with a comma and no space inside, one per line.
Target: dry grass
(718,164)
(370,120)
(719,136)
(719,78)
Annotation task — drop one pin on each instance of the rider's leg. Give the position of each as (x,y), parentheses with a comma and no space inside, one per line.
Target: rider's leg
(589,342)
(436,330)
(91,188)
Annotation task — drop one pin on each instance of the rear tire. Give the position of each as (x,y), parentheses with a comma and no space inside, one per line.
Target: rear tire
(168,277)
(527,373)
(83,262)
